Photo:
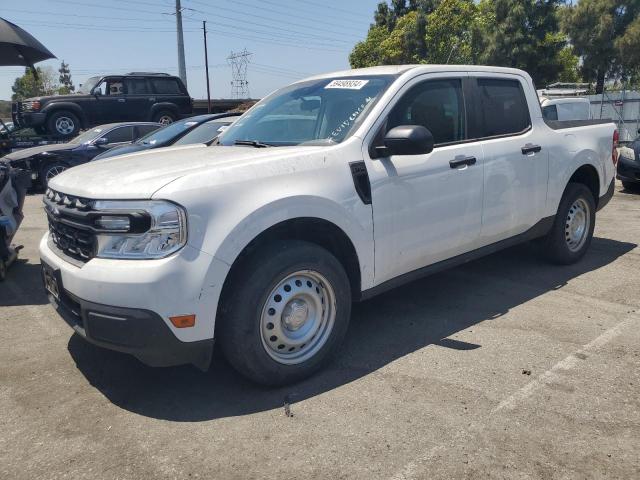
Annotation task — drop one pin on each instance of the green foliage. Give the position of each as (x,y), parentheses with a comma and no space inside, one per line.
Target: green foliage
(448,35)
(513,33)
(606,35)
(522,34)
(28,86)
(66,84)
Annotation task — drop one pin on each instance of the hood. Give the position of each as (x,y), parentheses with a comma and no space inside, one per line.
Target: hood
(122,150)
(30,152)
(140,175)
(46,98)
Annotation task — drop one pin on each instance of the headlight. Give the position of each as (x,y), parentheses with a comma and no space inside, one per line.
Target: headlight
(139,229)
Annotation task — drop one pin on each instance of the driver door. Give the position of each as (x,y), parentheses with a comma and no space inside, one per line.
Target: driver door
(426,208)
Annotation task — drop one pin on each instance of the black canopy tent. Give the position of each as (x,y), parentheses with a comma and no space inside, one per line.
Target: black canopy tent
(20,48)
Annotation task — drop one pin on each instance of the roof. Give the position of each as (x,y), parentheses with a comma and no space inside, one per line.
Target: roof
(399,69)
(105,126)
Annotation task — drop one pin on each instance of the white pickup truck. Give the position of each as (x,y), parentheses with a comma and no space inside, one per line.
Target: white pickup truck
(331,190)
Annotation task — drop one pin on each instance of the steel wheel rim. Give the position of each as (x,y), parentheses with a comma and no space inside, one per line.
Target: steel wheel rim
(165,120)
(65,125)
(298,317)
(52,172)
(577,224)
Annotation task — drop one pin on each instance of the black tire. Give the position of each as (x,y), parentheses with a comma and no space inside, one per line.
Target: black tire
(557,246)
(631,186)
(50,170)
(164,117)
(63,124)
(240,330)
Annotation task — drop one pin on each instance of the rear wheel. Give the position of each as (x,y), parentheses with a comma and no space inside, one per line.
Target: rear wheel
(164,117)
(287,311)
(63,124)
(572,230)
(51,170)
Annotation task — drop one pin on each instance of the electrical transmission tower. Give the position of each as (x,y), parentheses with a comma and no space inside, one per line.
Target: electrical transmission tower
(239,62)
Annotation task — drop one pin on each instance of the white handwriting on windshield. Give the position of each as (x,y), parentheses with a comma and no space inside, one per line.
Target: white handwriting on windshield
(350,119)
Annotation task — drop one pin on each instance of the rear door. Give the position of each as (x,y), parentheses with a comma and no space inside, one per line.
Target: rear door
(516,162)
(139,99)
(170,90)
(426,208)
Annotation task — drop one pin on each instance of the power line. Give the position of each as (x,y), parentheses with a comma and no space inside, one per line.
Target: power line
(325,6)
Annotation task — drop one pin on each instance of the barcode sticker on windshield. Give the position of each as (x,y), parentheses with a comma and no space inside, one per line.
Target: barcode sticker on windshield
(348,84)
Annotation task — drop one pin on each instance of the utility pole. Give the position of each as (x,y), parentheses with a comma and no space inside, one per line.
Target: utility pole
(206,65)
(182,69)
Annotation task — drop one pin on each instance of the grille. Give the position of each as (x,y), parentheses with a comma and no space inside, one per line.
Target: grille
(70,225)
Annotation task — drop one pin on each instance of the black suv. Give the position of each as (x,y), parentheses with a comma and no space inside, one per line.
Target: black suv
(156,97)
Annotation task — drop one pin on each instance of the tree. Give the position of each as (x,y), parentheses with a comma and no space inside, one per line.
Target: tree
(449,33)
(66,84)
(522,34)
(606,36)
(28,86)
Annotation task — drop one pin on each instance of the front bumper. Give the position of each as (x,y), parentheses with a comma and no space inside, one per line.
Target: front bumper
(628,170)
(125,305)
(29,119)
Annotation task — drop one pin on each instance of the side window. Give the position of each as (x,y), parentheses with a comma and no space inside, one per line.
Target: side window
(142,130)
(120,135)
(437,105)
(115,86)
(137,86)
(503,106)
(550,112)
(166,86)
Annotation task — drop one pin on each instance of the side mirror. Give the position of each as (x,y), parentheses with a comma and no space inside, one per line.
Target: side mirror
(97,92)
(408,140)
(101,141)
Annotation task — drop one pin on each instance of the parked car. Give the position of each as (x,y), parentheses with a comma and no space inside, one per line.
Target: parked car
(566,108)
(198,129)
(628,168)
(47,161)
(263,239)
(155,97)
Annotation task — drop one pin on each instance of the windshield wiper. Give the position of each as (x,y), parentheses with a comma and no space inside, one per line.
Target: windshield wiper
(251,143)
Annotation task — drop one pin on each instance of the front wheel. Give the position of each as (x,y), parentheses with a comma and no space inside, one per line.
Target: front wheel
(51,170)
(63,124)
(572,230)
(286,312)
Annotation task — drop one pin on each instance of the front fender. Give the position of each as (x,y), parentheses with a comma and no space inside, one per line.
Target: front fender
(72,107)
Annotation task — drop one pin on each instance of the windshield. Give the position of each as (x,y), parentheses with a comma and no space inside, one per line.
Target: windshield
(316,112)
(88,85)
(203,133)
(88,136)
(166,134)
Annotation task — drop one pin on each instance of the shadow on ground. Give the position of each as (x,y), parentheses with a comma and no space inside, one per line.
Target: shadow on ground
(382,330)
(23,285)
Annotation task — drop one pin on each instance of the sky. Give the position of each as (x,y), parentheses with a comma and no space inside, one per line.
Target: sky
(288,39)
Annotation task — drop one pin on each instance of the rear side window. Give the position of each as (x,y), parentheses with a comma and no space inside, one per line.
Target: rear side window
(137,86)
(504,109)
(550,112)
(166,86)
(120,134)
(142,130)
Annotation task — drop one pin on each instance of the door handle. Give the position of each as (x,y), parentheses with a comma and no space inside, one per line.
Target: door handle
(462,160)
(531,148)
(121,100)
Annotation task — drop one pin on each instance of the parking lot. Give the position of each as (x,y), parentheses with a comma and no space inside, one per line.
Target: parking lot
(507,367)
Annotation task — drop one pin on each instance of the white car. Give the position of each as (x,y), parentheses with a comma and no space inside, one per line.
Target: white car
(331,190)
(565,108)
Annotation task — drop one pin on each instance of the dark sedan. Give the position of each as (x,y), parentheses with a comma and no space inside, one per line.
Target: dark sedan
(628,170)
(47,161)
(198,129)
